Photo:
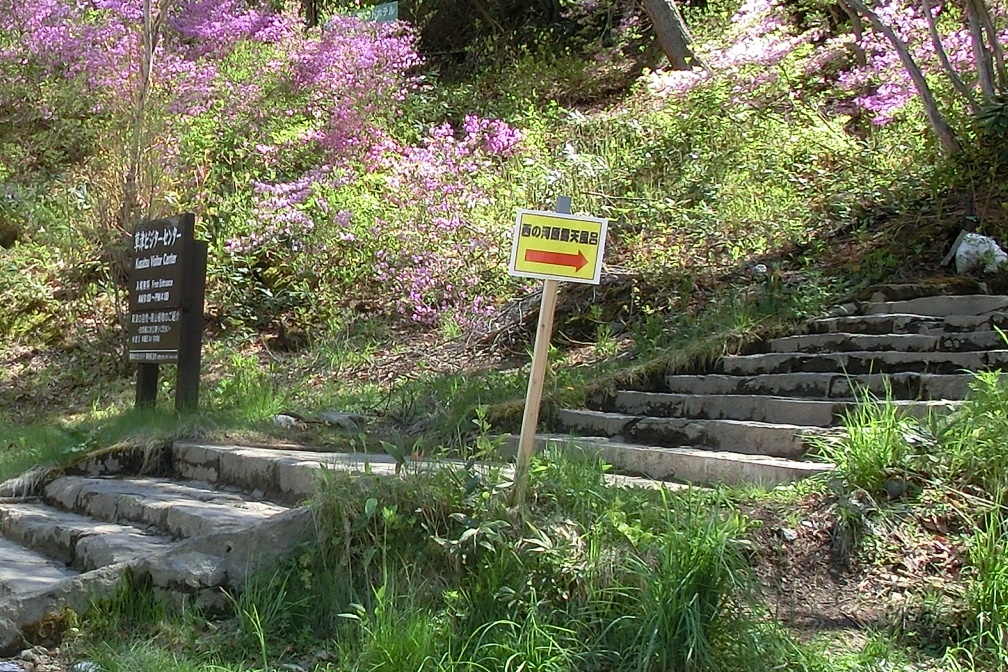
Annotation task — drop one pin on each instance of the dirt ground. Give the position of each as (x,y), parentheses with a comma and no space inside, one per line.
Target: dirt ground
(895,571)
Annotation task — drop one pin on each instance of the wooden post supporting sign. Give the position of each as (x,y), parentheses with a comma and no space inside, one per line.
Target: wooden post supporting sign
(166,295)
(554,246)
(190,355)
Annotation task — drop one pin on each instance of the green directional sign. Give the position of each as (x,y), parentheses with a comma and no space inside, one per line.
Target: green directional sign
(383,13)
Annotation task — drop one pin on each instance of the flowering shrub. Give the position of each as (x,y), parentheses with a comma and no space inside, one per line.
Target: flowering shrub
(764,37)
(882,86)
(283,141)
(441,262)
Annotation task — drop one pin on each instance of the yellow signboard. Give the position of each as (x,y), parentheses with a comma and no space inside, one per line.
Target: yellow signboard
(555,246)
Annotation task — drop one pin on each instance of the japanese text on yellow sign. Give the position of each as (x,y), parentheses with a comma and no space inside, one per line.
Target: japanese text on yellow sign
(554,246)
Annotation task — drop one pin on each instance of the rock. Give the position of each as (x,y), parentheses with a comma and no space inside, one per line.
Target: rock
(787,534)
(8,234)
(84,666)
(843,310)
(187,571)
(349,422)
(976,252)
(7,666)
(33,655)
(895,488)
(10,636)
(287,421)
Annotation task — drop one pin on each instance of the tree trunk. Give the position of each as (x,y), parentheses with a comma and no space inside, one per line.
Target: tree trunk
(670,30)
(151,32)
(855,21)
(311,12)
(946,136)
(995,44)
(984,61)
(939,48)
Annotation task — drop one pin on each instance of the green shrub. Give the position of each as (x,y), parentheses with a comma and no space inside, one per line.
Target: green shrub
(874,448)
(974,449)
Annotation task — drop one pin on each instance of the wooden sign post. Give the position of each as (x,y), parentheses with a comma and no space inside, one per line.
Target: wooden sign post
(554,246)
(166,294)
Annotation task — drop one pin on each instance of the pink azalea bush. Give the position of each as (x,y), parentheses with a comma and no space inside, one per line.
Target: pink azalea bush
(284,141)
(882,87)
(764,39)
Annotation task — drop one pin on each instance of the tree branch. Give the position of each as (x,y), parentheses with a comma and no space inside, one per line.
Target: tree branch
(939,48)
(151,33)
(946,136)
(983,58)
(995,44)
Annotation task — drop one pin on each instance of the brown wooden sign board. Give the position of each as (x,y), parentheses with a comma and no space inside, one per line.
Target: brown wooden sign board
(162,257)
(166,292)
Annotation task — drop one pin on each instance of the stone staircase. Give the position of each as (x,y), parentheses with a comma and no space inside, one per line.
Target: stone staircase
(186,519)
(752,418)
(190,520)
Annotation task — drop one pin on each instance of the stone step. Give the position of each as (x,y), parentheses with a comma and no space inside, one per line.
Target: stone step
(24,571)
(736,436)
(908,386)
(761,408)
(683,464)
(888,323)
(856,363)
(179,510)
(844,342)
(42,592)
(940,306)
(77,541)
(915,290)
(287,475)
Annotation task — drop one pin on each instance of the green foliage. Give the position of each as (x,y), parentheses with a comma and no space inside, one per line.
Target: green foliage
(397,634)
(955,464)
(974,448)
(684,585)
(31,304)
(993,120)
(250,391)
(430,571)
(874,447)
(987,588)
(149,657)
(27,446)
(45,126)
(48,443)
(963,448)
(265,609)
(131,606)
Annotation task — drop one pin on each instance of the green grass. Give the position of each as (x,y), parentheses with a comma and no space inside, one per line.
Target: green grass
(53,443)
(432,572)
(974,448)
(961,449)
(249,391)
(987,588)
(950,468)
(874,449)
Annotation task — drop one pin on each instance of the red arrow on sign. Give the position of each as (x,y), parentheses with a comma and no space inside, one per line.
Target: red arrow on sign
(575,261)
